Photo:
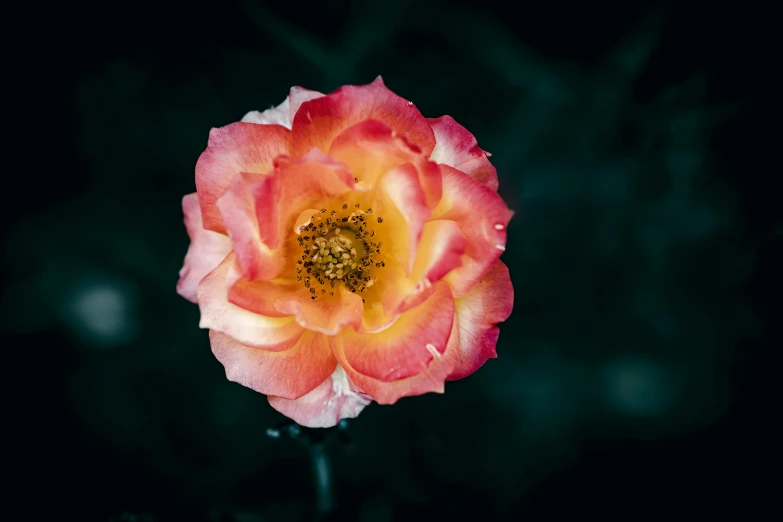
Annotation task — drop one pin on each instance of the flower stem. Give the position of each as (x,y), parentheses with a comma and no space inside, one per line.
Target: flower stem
(322,472)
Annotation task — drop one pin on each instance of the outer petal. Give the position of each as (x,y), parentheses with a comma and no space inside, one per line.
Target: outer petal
(275,116)
(456,147)
(371,148)
(488,303)
(319,121)
(298,96)
(284,113)
(206,250)
(407,346)
(218,314)
(483,217)
(290,374)
(335,399)
(235,148)
(431,379)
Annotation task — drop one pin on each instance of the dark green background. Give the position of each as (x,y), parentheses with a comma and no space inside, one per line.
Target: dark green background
(642,252)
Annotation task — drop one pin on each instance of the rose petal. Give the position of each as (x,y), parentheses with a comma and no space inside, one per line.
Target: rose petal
(282,298)
(488,303)
(371,148)
(206,250)
(260,212)
(407,346)
(304,182)
(289,374)
(275,116)
(303,219)
(439,252)
(319,121)
(235,148)
(456,147)
(238,208)
(298,96)
(431,379)
(483,217)
(327,315)
(401,203)
(260,297)
(294,186)
(284,113)
(218,314)
(335,399)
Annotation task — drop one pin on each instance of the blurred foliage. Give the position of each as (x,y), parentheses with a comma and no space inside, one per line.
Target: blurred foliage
(627,255)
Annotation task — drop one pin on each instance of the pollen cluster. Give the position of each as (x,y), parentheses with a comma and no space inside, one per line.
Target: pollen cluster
(338,248)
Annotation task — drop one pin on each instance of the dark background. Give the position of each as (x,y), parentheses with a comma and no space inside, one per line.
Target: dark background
(645,255)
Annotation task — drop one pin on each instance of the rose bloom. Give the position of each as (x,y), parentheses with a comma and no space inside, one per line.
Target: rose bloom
(345,249)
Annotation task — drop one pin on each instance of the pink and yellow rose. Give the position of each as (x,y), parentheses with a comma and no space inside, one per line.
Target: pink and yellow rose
(346,249)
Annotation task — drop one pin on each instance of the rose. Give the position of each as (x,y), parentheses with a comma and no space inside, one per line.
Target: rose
(345,249)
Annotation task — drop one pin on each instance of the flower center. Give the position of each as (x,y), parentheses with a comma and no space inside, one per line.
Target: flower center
(338,247)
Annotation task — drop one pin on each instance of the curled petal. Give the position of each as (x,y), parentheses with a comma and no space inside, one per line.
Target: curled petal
(260,297)
(283,298)
(482,216)
(218,314)
(402,202)
(290,373)
(260,212)
(284,113)
(310,179)
(488,303)
(431,379)
(371,148)
(441,246)
(206,250)
(439,252)
(294,186)
(328,316)
(407,346)
(319,121)
(238,208)
(235,148)
(456,147)
(303,219)
(334,399)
